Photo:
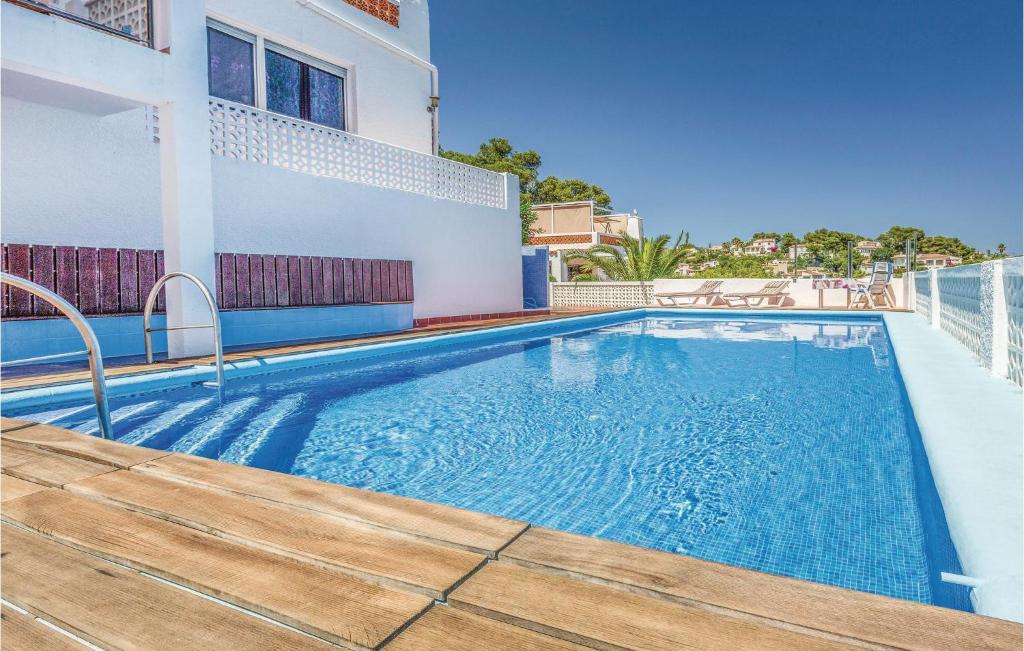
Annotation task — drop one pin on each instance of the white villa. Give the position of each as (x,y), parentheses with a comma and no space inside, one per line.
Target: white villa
(867,247)
(928,260)
(284,152)
(761,246)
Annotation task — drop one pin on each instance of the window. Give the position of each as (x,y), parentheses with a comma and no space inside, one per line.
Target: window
(231,66)
(302,89)
(290,83)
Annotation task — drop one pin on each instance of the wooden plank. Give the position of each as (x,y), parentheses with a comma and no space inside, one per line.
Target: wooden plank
(45,467)
(43,274)
(269,280)
(853,614)
(605,617)
(19,263)
(469,530)
(338,282)
(147,275)
(378,555)
(5,310)
(128,280)
(317,279)
(306,279)
(452,629)
(243,282)
(11,488)
(112,607)
(357,280)
(21,631)
(75,444)
(378,278)
(408,280)
(109,289)
(393,266)
(161,298)
(331,605)
(88,281)
(66,268)
(256,296)
(227,292)
(403,290)
(367,280)
(294,280)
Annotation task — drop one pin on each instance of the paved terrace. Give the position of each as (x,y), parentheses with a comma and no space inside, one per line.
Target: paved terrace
(125,546)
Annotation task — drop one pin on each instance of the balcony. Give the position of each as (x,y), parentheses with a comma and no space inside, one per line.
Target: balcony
(241,132)
(128,19)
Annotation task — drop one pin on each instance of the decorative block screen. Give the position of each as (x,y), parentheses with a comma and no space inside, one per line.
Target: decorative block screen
(386,10)
(585,294)
(242,132)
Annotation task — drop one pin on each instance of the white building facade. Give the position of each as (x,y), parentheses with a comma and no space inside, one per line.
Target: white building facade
(274,128)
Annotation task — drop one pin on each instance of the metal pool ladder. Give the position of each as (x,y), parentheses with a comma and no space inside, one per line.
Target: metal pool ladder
(214,323)
(92,347)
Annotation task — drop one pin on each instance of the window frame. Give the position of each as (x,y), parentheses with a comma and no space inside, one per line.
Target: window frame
(261,45)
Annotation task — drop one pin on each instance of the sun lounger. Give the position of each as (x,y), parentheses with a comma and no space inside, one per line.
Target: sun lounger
(709,290)
(762,297)
(874,293)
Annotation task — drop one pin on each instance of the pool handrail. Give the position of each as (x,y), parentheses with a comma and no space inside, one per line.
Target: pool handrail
(92,346)
(214,323)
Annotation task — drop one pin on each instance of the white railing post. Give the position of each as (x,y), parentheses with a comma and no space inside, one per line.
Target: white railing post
(1000,323)
(933,280)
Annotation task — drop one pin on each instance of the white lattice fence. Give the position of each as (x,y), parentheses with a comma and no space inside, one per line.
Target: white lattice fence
(923,294)
(981,306)
(965,297)
(128,16)
(1013,293)
(587,294)
(242,132)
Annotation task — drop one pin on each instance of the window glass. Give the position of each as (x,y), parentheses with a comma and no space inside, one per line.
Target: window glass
(284,85)
(231,67)
(326,98)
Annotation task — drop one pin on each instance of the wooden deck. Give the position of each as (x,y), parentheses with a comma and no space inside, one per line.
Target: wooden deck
(125,546)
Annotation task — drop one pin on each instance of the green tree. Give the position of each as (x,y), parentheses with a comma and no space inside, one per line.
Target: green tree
(896,236)
(556,190)
(825,242)
(765,236)
(637,260)
(947,246)
(737,266)
(1001,249)
(882,254)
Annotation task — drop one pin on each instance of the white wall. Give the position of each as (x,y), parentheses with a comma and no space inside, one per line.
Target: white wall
(466,258)
(73,178)
(389,94)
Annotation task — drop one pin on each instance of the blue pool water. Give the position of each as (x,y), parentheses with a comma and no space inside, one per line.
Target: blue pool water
(783,445)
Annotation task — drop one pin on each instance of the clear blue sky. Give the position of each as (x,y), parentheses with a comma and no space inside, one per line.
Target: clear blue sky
(728,116)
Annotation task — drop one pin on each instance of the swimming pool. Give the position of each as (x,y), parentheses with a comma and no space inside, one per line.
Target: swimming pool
(779,443)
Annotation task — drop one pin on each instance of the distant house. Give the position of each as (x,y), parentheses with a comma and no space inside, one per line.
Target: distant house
(684,270)
(710,264)
(798,251)
(580,225)
(762,246)
(779,267)
(928,260)
(867,247)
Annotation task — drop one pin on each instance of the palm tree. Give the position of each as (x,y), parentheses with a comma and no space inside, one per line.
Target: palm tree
(633,260)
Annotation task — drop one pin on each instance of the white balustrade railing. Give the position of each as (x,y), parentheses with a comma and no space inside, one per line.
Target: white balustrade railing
(241,132)
(982,307)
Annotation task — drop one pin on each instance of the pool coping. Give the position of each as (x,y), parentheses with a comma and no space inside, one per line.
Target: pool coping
(942,380)
(971,427)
